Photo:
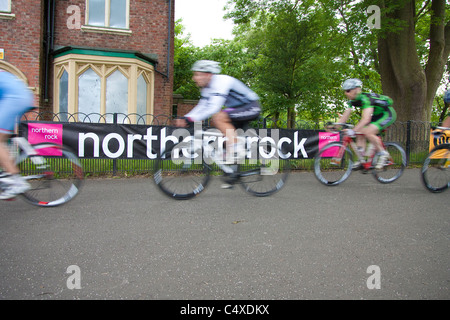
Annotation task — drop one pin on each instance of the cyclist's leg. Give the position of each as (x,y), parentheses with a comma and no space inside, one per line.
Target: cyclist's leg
(222,121)
(228,119)
(6,161)
(380,123)
(15,101)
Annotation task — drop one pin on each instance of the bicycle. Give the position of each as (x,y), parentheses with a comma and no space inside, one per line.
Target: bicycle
(184,171)
(435,173)
(53,171)
(334,163)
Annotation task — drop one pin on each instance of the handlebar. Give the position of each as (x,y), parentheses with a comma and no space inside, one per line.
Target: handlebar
(332,126)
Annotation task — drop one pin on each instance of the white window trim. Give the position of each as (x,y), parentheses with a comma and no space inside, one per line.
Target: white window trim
(7,16)
(93,29)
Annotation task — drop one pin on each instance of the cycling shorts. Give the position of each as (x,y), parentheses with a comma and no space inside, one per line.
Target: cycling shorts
(15,100)
(384,119)
(244,113)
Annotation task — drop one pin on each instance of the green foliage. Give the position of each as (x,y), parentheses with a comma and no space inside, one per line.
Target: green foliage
(295,54)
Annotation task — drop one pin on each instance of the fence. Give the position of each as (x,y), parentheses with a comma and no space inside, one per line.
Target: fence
(413,136)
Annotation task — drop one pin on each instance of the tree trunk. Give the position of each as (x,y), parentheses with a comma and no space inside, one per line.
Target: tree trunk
(402,77)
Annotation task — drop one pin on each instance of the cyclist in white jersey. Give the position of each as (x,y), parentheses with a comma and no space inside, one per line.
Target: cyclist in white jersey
(15,100)
(227,100)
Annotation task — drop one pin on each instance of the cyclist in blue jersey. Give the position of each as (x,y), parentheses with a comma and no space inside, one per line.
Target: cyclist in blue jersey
(15,100)
(377,115)
(227,100)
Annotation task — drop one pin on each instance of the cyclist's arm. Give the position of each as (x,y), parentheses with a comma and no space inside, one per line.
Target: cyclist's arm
(206,108)
(446,122)
(346,115)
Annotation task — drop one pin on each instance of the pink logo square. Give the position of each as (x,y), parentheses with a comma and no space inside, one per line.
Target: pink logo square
(46,132)
(326,138)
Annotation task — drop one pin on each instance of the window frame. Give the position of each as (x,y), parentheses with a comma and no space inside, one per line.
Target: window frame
(7,14)
(106,28)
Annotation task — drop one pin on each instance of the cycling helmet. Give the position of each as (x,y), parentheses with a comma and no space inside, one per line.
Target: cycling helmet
(206,66)
(350,84)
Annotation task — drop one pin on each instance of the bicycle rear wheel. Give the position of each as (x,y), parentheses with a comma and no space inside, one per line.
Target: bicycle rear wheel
(395,165)
(181,178)
(332,171)
(55,175)
(265,177)
(435,172)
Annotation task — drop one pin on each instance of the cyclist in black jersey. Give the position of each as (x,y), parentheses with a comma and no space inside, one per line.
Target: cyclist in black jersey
(227,100)
(377,115)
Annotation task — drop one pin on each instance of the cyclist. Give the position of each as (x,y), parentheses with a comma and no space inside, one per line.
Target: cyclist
(240,103)
(377,115)
(15,100)
(446,122)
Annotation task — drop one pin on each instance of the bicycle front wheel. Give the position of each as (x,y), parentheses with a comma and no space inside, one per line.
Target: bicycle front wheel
(265,177)
(395,165)
(330,169)
(435,172)
(55,175)
(181,178)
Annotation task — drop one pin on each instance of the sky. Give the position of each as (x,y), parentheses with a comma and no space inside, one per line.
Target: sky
(203,20)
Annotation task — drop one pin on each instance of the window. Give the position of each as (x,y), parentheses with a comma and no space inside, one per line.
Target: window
(5,10)
(116,96)
(89,90)
(5,6)
(63,96)
(95,87)
(108,13)
(142,86)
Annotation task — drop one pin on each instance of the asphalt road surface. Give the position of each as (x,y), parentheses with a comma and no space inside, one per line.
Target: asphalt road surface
(123,239)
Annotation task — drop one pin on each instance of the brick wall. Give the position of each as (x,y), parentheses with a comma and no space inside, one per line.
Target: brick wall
(149,26)
(21,38)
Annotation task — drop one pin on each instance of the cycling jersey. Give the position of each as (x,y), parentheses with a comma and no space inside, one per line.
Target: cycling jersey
(383,115)
(15,100)
(228,92)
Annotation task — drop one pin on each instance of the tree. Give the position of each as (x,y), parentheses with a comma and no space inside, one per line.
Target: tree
(410,78)
(184,56)
(408,52)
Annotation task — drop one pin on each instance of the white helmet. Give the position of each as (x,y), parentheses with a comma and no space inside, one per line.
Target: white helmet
(206,66)
(350,84)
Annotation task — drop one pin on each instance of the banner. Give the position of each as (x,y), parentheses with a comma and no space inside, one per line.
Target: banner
(127,141)
(437,140)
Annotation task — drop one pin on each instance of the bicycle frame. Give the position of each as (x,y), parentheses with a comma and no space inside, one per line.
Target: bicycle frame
(200,148)
(366,163)
(28,150)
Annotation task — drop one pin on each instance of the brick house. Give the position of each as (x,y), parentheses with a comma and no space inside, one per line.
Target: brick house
(91,56)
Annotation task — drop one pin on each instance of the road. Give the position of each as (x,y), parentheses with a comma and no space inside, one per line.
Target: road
(123,239)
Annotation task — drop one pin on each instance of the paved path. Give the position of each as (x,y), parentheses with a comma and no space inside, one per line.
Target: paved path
(309,241)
